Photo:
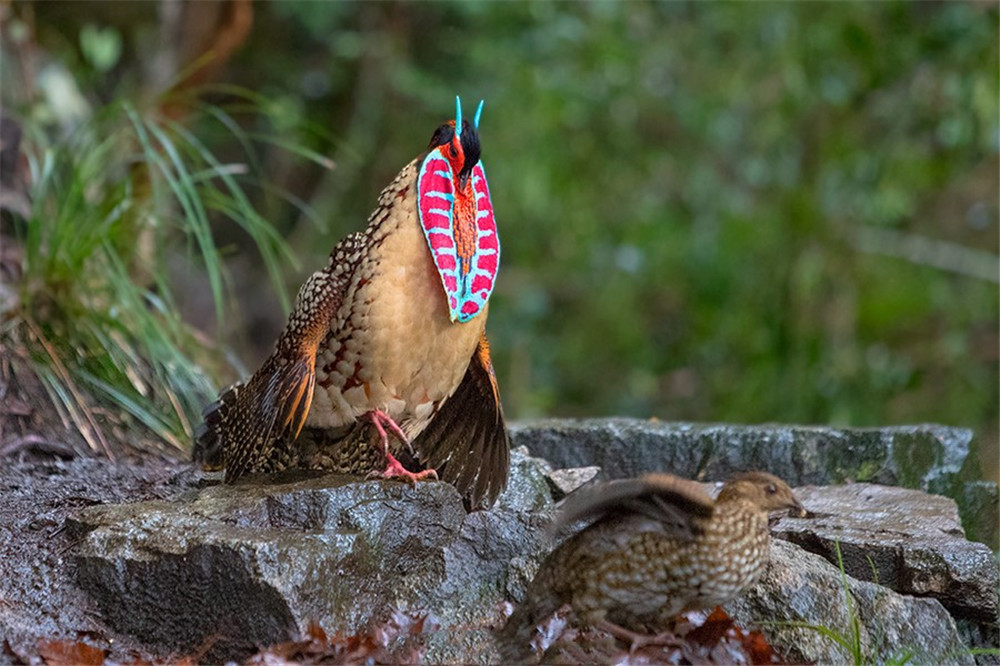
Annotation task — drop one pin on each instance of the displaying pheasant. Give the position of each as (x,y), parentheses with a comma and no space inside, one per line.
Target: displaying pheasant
(385,354)
(657,546)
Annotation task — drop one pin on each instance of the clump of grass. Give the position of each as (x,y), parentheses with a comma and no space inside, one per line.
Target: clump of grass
(850,640)
(95,310)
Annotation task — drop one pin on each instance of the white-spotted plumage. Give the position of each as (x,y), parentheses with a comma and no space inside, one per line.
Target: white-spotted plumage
(657,546)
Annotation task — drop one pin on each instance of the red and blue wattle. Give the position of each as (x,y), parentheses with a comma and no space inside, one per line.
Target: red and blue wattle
(467,280)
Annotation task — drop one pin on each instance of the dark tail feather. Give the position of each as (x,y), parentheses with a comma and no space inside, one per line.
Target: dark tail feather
(467,441)
(252,427)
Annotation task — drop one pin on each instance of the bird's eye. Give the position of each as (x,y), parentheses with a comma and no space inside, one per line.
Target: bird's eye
(771,489)
(454,151)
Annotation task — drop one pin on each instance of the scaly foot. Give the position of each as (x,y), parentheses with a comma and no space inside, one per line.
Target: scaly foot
(638,641)
(393,468)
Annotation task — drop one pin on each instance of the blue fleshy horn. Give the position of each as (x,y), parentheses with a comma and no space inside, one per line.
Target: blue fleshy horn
(479,112)
(458,116)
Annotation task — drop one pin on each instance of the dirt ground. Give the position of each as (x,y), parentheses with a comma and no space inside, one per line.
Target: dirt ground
(39,601)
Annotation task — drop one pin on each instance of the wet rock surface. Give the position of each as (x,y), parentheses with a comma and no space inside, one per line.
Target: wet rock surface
(803,588)
(37,595)
(925,457)
(903,539)
(158,560)
(250,565)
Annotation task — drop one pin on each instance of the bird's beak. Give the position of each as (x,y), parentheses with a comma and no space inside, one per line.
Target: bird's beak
(792,509)
(463,179)
(796,510)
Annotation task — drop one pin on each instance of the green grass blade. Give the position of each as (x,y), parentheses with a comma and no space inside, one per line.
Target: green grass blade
(180,184)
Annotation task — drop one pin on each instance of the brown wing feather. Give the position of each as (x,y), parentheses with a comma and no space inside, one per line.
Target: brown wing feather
(207,440)
(679,504)
(467,441)
(254,424)
(267,416)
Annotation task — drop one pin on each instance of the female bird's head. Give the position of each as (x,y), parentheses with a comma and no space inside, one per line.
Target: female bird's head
(459,146)
(766,491)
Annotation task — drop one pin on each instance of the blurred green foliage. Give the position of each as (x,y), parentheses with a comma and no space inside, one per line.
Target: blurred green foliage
(681,189)
(709,211)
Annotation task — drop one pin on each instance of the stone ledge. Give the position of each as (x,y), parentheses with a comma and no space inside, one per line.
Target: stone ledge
(909,456)
(924,457)
(800,588)
(179,561)
(903,539)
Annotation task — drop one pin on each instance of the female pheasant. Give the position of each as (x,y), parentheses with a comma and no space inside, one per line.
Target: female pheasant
(385,352)
(656,546)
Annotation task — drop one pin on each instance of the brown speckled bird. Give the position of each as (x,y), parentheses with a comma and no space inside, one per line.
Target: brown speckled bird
(657,546)
(385,353)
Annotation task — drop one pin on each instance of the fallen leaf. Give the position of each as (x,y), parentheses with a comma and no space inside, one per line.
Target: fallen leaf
(70,653)
(712,631)
(759,649)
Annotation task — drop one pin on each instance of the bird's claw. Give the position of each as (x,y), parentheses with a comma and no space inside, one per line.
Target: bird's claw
(636,640)
(395,470)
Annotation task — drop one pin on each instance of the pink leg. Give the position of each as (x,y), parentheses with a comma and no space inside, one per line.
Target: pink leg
(393,468)
(636,640)
(381,420)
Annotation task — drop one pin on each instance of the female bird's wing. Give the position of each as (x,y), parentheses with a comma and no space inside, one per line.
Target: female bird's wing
(679,505)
